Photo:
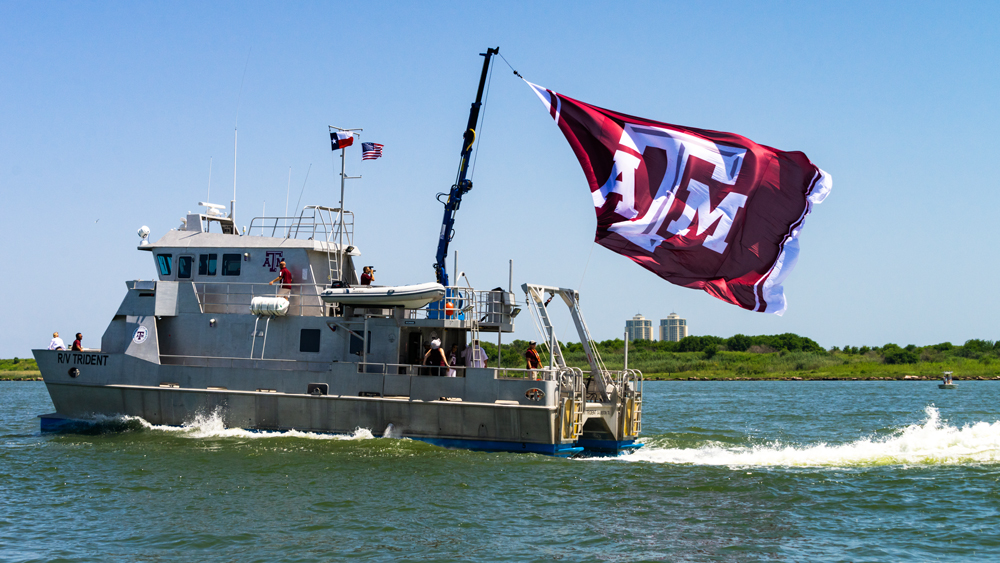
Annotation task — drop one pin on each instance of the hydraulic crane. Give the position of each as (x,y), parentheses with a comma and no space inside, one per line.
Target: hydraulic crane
(462,184)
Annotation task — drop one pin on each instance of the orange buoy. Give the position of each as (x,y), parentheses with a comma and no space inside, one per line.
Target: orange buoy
(449,309)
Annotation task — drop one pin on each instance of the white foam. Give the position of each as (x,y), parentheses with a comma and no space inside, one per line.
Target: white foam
(212,426)
(931,443)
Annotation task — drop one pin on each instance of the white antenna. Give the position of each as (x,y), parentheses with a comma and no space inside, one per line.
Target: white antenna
(287,190)
(308,170)
(236,128)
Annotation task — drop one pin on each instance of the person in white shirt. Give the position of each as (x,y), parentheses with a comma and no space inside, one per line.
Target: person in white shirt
(474,356)
(56,343)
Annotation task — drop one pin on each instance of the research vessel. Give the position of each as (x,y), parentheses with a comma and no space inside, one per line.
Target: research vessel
(211,334)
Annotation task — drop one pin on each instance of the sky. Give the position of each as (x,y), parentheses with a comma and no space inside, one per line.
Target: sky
(113,115)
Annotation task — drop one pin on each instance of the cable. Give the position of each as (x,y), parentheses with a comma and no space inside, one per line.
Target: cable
(583,275)
(303,187)
(516,73)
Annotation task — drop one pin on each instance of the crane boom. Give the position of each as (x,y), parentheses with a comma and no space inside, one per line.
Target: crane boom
(462,184)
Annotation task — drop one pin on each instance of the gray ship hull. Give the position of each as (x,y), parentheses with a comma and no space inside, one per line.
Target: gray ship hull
(474,412)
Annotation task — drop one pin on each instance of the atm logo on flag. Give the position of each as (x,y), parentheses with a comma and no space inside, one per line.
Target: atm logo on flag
(702,209)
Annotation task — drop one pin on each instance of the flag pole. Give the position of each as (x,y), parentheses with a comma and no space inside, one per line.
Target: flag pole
(343,179)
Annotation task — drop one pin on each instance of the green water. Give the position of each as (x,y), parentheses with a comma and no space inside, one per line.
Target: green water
(731,471)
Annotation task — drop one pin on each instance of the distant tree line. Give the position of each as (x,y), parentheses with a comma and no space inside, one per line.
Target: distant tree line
(974,349)
(780,344)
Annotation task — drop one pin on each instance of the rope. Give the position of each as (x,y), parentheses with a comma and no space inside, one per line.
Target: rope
(516,73)
(585,266)
(583,275)
(482,123)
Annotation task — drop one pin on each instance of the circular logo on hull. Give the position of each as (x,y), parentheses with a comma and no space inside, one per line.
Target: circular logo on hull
(140,335)
(534,394)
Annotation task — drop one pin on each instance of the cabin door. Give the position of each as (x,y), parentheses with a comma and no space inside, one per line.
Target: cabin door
(414,353)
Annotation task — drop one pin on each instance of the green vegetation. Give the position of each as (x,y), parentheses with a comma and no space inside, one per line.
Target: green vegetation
(782,356)
(18,368)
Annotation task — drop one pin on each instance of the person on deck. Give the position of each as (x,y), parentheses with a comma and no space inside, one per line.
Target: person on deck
(56,343)
(453,361)
(285,277)
(367,275)
(78,343)
(475,357)
(531,355)
(435,357)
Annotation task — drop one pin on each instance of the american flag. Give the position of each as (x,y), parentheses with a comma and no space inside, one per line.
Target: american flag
(370,151)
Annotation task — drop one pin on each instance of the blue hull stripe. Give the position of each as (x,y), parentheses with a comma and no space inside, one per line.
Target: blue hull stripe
(56,423)
(495,446)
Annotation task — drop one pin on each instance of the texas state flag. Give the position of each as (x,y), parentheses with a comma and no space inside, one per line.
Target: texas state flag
(341,139)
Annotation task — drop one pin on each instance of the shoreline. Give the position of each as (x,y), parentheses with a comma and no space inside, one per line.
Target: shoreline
(36,376)
(814,378)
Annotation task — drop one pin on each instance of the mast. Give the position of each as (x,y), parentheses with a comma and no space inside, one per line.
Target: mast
(462,184)
(340,215)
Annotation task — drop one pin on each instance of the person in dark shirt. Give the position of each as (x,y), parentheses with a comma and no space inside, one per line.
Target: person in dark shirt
(534,361)
(285,277)
(78,343)
(367,275)
(435,357)
(531,355)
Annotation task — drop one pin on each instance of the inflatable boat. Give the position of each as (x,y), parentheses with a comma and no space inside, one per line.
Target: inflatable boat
(409,296)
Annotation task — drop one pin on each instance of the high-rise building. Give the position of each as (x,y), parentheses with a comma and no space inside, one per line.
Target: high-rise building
(673,328)
(639,328)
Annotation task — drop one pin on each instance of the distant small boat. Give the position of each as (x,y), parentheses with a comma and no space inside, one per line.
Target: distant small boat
(409,296)
(947,383)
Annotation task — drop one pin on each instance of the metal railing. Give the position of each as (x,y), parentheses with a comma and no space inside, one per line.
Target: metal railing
(464,303)
(409,369)
(564,376)
(313,223)
(234,297)
(243,363)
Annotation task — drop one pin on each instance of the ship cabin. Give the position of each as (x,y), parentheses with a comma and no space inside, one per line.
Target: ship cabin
(209,273)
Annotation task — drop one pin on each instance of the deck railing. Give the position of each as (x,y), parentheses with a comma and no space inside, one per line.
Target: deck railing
(235,297)
(243,363)
(484,307)
(313,223)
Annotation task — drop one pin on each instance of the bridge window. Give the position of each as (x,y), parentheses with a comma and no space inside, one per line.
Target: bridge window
(231,264)
(309,340)
(206,264)
(357,345)
(184,266)
(163,262)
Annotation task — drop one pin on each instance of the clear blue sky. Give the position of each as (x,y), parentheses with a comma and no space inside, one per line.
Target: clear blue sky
(110,112)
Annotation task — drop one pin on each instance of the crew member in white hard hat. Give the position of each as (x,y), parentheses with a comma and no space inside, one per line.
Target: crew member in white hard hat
(435,357)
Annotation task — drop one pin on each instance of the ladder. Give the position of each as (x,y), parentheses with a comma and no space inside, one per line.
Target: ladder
(572,425)
(536,302)
(537,305)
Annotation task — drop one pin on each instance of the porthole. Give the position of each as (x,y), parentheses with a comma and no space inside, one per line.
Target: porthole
(74,372)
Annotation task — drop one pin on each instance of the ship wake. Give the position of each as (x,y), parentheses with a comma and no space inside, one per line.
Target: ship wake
(211,425)
(932,442)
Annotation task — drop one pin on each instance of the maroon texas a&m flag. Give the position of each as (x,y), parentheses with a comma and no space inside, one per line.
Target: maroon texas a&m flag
(702,209)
